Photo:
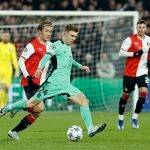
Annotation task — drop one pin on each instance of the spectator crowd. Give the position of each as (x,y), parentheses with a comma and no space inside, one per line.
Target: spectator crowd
(89,44)
(77,5)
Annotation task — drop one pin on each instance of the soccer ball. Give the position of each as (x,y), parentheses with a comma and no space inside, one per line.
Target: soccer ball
(74,133)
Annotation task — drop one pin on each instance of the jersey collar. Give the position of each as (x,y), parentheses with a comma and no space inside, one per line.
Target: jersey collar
(140,37)
(62,41)
(41,42)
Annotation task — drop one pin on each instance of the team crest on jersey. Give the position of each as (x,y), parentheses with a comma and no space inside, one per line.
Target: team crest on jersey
(148,44)
(25,50)
(53,47)
(136,43)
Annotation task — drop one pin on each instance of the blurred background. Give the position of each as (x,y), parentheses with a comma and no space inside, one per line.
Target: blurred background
(97,45)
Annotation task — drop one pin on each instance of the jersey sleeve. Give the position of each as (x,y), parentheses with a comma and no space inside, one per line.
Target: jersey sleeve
(126,44)
(76,64)
(148,44)
(28,51)
(14,58)
(48,45)
(50,53)
(124,48)
(52,49)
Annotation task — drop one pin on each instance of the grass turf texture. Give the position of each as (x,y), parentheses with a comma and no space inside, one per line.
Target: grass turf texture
(49,133)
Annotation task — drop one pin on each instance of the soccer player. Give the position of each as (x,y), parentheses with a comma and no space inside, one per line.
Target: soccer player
(58,81)
(135,48)
(8,59)
(28,63)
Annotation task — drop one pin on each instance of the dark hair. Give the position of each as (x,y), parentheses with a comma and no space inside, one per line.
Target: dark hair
(141,22)
(71,27)
(43,24)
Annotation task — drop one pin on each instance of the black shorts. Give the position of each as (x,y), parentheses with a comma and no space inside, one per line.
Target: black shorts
(130,82)
(30,90)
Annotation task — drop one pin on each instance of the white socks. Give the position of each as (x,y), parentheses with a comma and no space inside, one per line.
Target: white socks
(135,116)
(120,117)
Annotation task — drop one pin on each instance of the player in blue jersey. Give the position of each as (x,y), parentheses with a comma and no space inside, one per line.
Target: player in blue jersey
(58,81)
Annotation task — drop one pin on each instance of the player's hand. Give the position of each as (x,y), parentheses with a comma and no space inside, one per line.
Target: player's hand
(29,80)
(85,68)
(138,53)
(38,73)
(3,86)
(17,73)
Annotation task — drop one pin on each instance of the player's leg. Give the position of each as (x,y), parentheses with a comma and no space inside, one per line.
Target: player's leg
(29,91)
(30,118)
(128,87)
(81,100)
(5,82)
(3,94)
(143,91)
(78,97)
(84,108)
(27,121)
(32,102)
(43,92)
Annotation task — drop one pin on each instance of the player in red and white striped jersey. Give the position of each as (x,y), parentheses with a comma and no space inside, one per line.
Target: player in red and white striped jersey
(135,48)
(28,62)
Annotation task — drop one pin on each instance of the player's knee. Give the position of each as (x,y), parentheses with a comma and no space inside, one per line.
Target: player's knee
(32,103)
(85,102)
(125,96)
(36,114)
(30,106)
(143,94)
(42,109)
(39,109)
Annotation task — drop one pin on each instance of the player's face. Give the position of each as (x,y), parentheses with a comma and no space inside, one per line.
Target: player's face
(141,29)
(71,37)
(5,37)
(45,33)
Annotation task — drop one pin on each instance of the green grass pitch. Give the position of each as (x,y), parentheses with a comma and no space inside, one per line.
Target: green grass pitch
(49,133)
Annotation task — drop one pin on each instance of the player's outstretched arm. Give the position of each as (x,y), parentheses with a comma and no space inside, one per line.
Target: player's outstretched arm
(76,64)
(85,68)
(44,60)
(42,64)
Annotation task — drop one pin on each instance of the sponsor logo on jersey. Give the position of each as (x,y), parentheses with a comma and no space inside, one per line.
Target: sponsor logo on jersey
(40,49)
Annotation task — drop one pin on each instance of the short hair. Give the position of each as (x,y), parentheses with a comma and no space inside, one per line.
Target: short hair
(71,27)
(43,24)
(142,22)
